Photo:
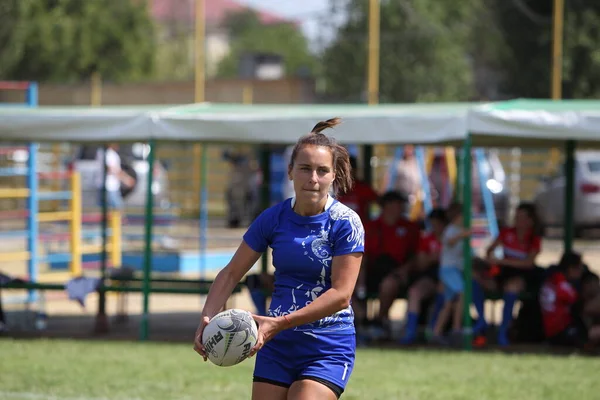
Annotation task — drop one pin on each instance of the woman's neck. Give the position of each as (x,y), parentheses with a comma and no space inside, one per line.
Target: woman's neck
(390,221)
(309,210)
(522,233)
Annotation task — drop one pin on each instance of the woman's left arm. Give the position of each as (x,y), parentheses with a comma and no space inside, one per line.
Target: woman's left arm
(344,273)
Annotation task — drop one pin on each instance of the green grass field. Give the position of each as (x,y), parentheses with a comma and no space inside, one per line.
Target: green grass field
(93,370)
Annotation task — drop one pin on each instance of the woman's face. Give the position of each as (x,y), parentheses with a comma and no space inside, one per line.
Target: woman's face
(393,210)
(523,220)
(312,174)
(437,226)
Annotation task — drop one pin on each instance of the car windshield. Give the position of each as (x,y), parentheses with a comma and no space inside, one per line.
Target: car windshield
(594,166)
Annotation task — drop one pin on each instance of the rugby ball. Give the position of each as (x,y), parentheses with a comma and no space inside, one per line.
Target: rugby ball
(229,337)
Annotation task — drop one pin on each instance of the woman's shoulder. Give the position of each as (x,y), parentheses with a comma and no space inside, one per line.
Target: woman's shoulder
(274,212)
(339,211)
(343,217)
(280,207)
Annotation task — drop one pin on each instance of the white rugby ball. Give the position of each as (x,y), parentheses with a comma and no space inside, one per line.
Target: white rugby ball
(229,336)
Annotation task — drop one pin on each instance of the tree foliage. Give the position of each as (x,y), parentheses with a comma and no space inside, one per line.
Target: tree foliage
(526,27)
(247,34)
(423,52)
(66,40)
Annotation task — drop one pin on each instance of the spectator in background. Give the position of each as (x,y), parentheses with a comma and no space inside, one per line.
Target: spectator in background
(588,308)
(423,279)
(512,274)
(451,273)
(407,176)
(288,185)
(557,298)
(241,192)
(361,196)
(260,286)
(115,176)
(390,243)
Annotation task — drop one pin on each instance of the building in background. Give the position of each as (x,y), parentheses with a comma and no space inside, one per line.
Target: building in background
(176,20)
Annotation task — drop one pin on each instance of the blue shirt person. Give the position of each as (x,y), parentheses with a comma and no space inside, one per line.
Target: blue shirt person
(306,345)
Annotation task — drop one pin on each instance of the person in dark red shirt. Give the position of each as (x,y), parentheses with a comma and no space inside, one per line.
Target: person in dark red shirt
(360,197)
(589,307)
(423,277)
(390,243)
(557,297)
(511,273)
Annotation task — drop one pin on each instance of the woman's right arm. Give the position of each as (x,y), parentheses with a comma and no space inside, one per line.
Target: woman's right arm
(226,280)
(222,287)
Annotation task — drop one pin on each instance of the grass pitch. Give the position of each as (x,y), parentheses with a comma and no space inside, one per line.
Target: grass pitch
(94,370)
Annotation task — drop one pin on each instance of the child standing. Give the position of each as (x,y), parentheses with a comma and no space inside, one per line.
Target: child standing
(451,276)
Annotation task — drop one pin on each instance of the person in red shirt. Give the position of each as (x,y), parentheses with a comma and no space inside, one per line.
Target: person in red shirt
(361,196)
(589,307)
(557,297)
(423,277)
(511,273)
(390,243)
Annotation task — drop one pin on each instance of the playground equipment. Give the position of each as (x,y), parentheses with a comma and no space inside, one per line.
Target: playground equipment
(43,230)
(29,88)
(72,215)
(448,172)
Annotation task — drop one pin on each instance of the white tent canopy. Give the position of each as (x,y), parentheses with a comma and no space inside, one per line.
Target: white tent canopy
(535,123)
(280,124)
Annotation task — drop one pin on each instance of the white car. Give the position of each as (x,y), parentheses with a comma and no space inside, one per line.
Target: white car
(550,198)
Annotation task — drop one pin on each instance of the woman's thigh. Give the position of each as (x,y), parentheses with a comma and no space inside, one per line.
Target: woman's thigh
(307,389)
(267,391)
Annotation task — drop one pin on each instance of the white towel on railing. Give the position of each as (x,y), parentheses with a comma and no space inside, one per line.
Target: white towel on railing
(79,288)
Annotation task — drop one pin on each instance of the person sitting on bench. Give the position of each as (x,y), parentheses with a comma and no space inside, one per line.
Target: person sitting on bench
(390,243)
(512,274)
(589,308)
(557,298)
(260,287)
(423,278)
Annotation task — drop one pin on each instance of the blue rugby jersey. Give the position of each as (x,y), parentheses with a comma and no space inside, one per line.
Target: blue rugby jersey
(303,248)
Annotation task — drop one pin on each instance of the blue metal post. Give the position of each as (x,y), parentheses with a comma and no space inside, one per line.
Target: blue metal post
(398,154)
(32,218)
(427,203)
(31,96)
(488,200)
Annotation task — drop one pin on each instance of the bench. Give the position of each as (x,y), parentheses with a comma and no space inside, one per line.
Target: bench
(122,286)
(492,296)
